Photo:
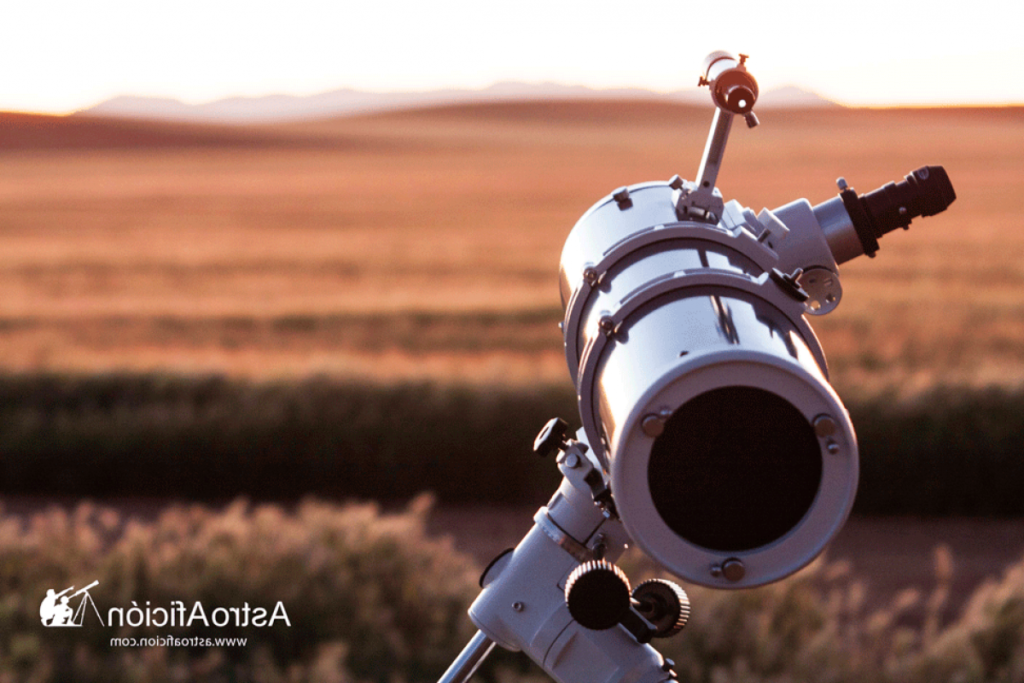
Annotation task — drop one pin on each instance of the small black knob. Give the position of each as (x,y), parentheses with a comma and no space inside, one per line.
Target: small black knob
(664,604)
(551,438)
(597,595)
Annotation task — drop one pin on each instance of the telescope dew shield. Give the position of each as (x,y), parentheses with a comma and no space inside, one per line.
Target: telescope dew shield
(703,391)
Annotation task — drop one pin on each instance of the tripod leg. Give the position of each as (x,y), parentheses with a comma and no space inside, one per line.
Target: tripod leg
(468,660)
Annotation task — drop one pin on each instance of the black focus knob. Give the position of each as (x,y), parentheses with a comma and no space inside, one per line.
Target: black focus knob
(664,604)
(597,595)
(551,438)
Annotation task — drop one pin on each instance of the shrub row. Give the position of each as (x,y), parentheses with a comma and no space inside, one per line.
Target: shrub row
(213,438)
(815,628)
(371,599)
(368,597)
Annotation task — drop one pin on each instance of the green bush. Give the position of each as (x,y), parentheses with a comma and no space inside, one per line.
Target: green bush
(372,599)
(815,628)
(211,438)
(947,452)
(368,596)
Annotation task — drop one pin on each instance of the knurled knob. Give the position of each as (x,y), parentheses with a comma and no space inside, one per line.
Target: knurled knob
(664,604)
(597,595)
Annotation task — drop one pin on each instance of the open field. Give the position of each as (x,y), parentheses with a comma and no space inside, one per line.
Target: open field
(425,244)
(368,307)
(181,299)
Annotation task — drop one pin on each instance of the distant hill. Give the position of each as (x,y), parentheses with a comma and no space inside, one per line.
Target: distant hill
(146,124)
(281,108)
(41,131)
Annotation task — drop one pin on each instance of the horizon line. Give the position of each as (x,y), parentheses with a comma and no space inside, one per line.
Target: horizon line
(596,91)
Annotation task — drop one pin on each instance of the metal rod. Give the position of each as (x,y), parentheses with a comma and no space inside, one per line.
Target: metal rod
(468,660)
(714,150)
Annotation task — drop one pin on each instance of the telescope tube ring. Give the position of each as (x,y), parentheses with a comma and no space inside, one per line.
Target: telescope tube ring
(722,282)
(743,243)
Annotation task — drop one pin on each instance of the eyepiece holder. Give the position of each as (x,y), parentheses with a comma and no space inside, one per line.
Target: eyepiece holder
(924,192)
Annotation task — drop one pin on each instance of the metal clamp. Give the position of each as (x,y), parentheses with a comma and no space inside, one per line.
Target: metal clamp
(563,540)
(704,278)
(737,240)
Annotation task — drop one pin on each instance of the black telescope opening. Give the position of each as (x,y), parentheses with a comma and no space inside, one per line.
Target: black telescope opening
(735,469)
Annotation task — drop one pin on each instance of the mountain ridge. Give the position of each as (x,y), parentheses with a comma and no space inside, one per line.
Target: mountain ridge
(348,101)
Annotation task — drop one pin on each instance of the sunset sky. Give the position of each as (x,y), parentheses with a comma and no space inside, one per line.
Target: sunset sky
(62,55)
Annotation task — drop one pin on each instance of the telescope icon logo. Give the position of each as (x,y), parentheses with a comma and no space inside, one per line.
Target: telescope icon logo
(56,608)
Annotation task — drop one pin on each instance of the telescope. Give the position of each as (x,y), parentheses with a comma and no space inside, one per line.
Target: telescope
(711,438)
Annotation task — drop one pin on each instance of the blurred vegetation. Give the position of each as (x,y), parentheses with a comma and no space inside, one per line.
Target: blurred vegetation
(214,438)
(815,628)
(946,452)
(372,599)
(369,597)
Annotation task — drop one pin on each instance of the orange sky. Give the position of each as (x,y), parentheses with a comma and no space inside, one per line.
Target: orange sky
(62,55)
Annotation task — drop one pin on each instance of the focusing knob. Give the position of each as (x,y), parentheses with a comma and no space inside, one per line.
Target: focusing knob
(597,595)
(664,604)
(551,438)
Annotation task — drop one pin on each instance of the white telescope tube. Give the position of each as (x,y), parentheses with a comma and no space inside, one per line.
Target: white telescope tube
(702,389)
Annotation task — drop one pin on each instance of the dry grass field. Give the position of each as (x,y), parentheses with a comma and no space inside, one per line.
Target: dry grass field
(425,244)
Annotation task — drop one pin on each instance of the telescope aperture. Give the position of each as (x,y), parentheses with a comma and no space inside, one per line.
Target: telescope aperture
(735,469)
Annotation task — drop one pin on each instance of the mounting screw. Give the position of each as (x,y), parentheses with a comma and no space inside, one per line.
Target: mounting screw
(517,606)
(675,182)
(824,426)
(590,275)
(653,425)
(842,184)
(733,570)
(607,325)
(621,197)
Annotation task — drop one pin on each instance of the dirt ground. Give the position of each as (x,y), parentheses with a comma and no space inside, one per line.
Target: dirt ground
(890,554)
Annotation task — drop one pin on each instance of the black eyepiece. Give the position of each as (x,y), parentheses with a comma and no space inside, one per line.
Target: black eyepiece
(925,192)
